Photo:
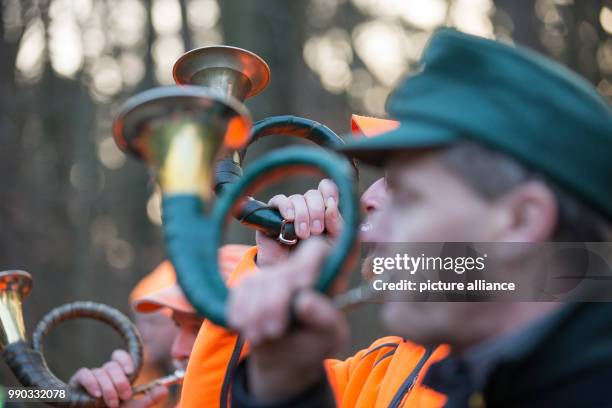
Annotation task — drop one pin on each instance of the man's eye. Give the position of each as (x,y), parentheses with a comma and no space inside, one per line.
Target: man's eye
(388,181)
(405,197)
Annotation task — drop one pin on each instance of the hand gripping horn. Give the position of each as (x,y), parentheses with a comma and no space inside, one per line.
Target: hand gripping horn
(255,213)
(182,132)
(28,362)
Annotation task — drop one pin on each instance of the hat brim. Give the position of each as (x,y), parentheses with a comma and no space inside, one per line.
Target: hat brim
(408,136)
(370,127)
(171,298)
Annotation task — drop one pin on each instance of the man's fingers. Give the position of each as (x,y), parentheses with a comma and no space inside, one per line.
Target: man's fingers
(316,311)
(274,309)
(124,359)
(302,218)
(270,305)
(85,378)
(283,203)
(333,221)
(252,325)
(240,297)
(247,305)
(120,381)
(109,394)
(259,306)
(329,191)
(316,211)
(308,211)
(332,217)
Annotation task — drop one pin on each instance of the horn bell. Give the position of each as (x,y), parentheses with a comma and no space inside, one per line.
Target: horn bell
(239,73)
(14,287)
(181,132)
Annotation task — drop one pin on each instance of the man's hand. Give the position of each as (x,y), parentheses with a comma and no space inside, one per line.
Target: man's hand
(112,384)
(311,213)
(285,360)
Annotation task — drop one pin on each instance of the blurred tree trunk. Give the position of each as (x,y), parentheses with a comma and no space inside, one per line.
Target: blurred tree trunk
(579,32)
(185,32)
(525,23)
(273,30)
(10,129)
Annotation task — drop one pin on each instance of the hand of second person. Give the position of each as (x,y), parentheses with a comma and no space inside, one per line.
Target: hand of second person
(312,214)
(110,381)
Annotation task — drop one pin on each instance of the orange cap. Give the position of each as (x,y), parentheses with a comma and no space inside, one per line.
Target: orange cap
(370,127)
(171,298)
(159,289)
(162,277)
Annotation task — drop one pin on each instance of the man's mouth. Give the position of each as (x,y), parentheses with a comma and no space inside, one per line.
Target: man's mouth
(180,364)
(365,227)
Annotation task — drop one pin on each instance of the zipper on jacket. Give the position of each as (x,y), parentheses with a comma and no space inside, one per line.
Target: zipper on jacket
(410,380)
(229,373)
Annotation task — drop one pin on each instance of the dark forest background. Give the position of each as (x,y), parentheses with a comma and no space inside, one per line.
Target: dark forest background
(84,220)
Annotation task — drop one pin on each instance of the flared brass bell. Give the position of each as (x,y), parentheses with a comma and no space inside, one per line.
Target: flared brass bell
(237,72)
(181,131)
(14,287)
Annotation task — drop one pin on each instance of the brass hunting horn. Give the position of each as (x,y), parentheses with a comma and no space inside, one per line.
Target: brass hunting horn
(202,67)
(27,361)
(183,131)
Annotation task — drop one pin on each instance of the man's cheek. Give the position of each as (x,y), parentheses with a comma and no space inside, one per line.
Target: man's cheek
(401,228)
(382,226)
(419,224)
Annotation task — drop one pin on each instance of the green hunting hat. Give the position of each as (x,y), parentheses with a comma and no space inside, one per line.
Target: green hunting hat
(510,99)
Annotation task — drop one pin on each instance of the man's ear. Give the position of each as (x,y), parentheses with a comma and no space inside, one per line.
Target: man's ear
(528,213)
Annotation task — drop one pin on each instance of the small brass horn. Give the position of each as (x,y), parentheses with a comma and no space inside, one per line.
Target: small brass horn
(27,361)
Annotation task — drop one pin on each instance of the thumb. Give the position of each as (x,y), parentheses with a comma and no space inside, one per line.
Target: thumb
(306,260)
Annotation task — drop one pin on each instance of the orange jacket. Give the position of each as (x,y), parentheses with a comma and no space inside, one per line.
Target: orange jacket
(389,373)
(215,354)
(383,373)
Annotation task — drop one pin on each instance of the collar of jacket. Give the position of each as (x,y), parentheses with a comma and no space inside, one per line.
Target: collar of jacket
(557,357)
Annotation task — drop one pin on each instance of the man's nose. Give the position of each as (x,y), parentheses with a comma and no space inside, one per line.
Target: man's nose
(369,202)
(374,197)
(182,345)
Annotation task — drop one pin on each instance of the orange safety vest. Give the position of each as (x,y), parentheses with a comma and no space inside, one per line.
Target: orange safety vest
(389,373)
(386,374)
(215,355)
